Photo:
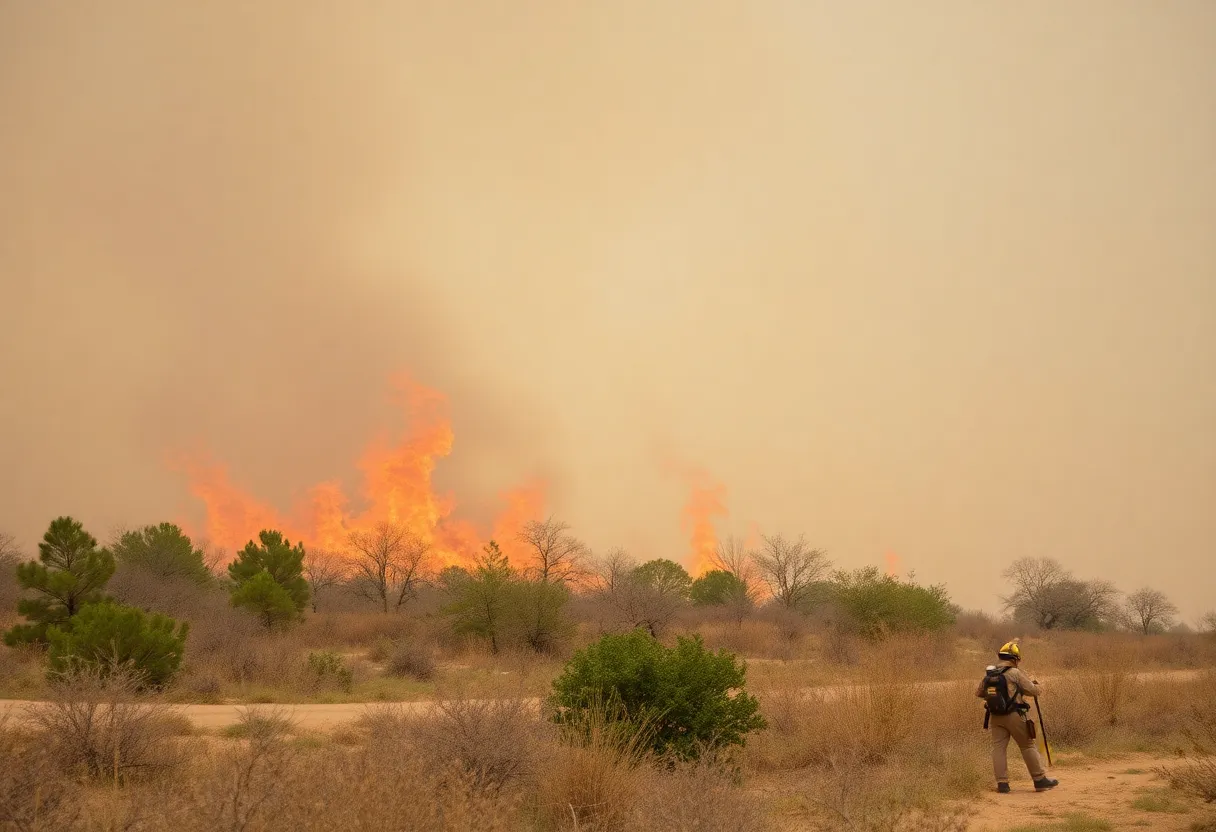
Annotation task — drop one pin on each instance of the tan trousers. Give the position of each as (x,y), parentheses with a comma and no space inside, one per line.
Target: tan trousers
(1012,726)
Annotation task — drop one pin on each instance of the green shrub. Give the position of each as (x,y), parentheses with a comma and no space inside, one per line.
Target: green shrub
(680,697)
(107,636)
(878,604)
(328,669)
(715,587)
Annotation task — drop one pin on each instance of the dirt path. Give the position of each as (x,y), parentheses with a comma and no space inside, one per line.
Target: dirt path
(319,717)
(1103,789)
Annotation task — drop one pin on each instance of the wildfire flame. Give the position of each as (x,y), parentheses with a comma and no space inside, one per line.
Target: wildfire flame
(397,488)
(706,500)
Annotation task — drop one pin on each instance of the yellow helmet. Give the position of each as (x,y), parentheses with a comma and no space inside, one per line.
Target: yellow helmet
(1009,650)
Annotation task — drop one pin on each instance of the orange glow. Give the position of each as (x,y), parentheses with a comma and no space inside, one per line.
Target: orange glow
(706,500)
(892,560)
(396,488)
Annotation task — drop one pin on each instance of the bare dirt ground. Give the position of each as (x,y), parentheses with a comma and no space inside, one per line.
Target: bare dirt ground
(1104,789)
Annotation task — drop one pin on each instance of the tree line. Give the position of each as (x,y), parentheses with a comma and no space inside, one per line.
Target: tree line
(501,603)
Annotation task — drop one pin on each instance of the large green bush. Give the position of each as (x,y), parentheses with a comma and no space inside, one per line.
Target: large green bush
(70,573)
(877,604)
(683,698)
(107,636)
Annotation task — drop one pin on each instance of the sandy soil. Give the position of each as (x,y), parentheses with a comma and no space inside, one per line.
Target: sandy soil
(1097,788)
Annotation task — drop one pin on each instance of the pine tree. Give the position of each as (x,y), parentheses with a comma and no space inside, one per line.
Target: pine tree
(71,571)
(282,562)
(165,551)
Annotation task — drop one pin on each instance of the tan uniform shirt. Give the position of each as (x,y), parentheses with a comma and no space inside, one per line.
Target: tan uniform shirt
(1013,677)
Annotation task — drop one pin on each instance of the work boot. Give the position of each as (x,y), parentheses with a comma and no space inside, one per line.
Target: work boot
(1044,783)
(1002,788)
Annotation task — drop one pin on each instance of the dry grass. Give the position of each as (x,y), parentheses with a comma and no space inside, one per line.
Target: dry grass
(1196,774)
(97,726)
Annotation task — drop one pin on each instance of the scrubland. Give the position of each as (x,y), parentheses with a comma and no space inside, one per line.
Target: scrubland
(438,715)
(862,734)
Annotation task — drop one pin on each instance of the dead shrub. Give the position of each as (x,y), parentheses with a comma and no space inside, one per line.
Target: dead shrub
(595,776)
(411,659)
(695,797)
(98,725)
(1196,776)
(493,743)
(34,794)
(841,647)
(849,794)
(1069,714)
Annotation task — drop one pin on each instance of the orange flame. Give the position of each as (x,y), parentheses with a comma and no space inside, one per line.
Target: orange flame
(706,500)
(396,488)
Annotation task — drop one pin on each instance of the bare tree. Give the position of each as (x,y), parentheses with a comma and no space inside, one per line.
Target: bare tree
(389,564)
(1149,610)
(322,569)
(636,597)
(733,556)
(1207,622)
(791,568)
(559,557)
(1046,594)
(9,553)
(215,558)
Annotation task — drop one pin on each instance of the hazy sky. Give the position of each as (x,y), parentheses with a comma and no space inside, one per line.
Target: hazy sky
(931,278)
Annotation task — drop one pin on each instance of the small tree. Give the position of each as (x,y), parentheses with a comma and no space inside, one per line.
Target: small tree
(665,577)
(681,699)
(323,570)
(70,572)
(647,596)
(107,635)
(557,555)
(1150,611)
(164,551)
(482,598)
(280,560)
(267,599)
(791,568)
(539,608)
(714,588)
(389,564)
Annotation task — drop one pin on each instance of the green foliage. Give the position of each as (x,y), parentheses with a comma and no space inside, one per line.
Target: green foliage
(263,596)
(482,597)
(715,587)
(106,636)
(283,563)
(164,551)
(71,572)
(540,610)
(665,576)
(679,698)
(493,602)
(878,604)
(328,669)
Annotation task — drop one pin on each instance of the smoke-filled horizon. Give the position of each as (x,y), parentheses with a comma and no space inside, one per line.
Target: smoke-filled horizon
(934,285)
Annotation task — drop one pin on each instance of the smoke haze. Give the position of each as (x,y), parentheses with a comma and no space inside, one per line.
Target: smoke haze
(933,283)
